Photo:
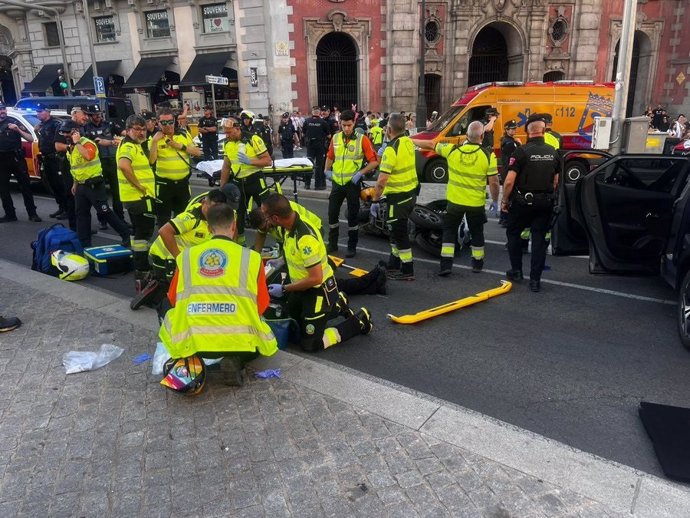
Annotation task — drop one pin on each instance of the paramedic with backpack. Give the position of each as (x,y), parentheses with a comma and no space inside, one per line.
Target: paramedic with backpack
(469,167)
(89,185)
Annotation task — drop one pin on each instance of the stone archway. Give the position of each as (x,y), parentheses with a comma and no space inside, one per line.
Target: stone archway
(638,85)
(358,30)
(336,70)
(497,55)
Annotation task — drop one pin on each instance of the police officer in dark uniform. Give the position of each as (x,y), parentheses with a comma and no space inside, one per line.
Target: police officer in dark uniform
(12,163)
(105,134)
(46,131)
(208,130)
(528,198)
(508,146)
(286,133)
(262,127)
(316,134)
(490,116)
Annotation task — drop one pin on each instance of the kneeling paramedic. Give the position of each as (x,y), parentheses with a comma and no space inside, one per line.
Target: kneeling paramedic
(264,227)
(218,295)
(313,297)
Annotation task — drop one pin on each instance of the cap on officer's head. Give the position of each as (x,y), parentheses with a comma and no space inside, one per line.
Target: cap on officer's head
(535,117)
(325,108)
(547,118)
(85,108)
(93,109)
(491,111)
(148,115)
(286,115)
(41,108)
(511,124)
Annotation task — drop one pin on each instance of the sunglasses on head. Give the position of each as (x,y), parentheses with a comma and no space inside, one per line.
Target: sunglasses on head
(166,123)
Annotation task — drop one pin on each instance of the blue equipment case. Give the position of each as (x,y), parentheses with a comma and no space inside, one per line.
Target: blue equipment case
(110,259)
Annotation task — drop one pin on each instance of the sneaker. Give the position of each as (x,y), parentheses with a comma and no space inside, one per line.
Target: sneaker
(231,369)
(8,219)
(145,294)
(477,265)
(400,276)
(35,218)
(351,252)
(514,275)
(534,285)
(62,215)
(364,318)
(9,324)
(56,213)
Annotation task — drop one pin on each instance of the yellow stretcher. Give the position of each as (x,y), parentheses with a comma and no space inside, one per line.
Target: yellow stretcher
(505,287)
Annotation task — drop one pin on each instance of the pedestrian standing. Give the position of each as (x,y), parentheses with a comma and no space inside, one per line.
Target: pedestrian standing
(470,166)
(171,150)
(137,192)
(490,117)
(46,130)
(316,133)
(208,129)
(245,156)
(398,182)
(528,198)
(13,164)
(107,135)
(350,158)
(286,134)
(88,185)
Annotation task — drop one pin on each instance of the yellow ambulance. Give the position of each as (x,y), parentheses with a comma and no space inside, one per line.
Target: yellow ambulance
(572,104)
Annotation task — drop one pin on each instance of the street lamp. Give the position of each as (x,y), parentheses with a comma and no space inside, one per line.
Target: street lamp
(421,94)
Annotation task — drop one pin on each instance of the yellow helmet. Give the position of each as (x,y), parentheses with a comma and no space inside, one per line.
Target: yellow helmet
(70,266)
(367,194)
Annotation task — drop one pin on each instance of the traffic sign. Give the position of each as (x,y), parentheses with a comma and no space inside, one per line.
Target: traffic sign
(99,86)
(217,80)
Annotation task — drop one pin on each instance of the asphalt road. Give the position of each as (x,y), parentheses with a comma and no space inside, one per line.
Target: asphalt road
(571,363)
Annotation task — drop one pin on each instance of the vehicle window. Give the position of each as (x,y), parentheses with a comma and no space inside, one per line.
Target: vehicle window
(654,174)
(446,118)
(460,127)
(112,111)
(32,120)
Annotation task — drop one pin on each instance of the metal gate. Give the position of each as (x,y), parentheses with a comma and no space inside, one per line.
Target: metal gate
(336,71)
(432,89)
(489,61)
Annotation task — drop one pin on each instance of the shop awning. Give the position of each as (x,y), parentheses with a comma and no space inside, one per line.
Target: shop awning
(43,80)
(148,73)
(105,68)
(211,64)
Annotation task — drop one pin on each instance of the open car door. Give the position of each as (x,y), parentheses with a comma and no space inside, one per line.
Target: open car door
(626,207)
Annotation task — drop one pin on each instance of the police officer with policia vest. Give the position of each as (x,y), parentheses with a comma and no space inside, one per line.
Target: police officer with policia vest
(528,198)
(316,134)
(469,167)
(245,155)
(218,295)
(398,182)
(345,167)
(312,292)
(170,150)
(137,187)
(89,185)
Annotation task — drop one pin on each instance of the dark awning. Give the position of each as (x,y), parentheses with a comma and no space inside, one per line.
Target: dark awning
(148,72)
(205,65)
(105,68)
(43,80)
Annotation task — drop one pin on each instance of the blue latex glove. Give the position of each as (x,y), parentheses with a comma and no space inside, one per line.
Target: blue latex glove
(357,177)
(493,209)
(328,174)
(275,290)
(242,157)
(381,150)
(374,209)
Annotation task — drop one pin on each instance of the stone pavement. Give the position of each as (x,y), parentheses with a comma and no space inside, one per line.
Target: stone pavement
(320,441)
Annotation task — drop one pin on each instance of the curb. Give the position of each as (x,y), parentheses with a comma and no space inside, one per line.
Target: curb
(620,488)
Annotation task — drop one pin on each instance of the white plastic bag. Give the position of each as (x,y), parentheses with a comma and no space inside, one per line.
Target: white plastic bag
(162,355)
(81,361)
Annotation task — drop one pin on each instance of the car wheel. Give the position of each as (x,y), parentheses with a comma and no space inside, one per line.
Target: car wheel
(574,170)
(430,241)
(436,171)
(684,311)
(426,218)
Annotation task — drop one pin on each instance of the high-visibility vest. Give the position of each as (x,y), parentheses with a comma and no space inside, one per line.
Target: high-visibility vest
(216,303)
(469,166)
(192,229)
(552,140)
(171,163)
(304,240)
(398,161)
(252,146)
(133,152)
(376,134)
(278,233)
(81,168)
(348,157)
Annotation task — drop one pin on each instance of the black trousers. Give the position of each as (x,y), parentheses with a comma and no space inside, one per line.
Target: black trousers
(288,148)
(210,148)
(476,217)
(519,218)
(143,223)
(109,167)
(174,195)
(317,154)
(53,175)
(94,195)
(400,205)
(251,188)
(349,192)
(12,164)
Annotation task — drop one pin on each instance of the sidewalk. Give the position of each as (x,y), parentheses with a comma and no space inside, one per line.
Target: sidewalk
(320,441)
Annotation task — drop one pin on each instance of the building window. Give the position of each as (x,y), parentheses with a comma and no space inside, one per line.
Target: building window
(432,31)
(105,28)
(51,34)
(559,29)
(215,18)
(157,24)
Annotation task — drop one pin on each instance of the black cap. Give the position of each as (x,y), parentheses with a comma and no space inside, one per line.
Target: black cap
(2,106)
(41,108)
(68,126)
(325,108)
(286,115)
(511,124)
(148,115)
(491,111)
(535,117)
(86,108)
(93,109)
(547,117)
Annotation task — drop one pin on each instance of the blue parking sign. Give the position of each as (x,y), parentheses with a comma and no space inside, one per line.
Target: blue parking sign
(99,86)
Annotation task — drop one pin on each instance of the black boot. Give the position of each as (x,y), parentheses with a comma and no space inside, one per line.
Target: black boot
(393,263)
(406,273)
(446,267)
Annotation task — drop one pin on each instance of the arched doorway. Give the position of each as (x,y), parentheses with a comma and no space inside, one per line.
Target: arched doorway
(432,91)
(8,93)
(336,70)
(497,55)
(554,75)
(638,86)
